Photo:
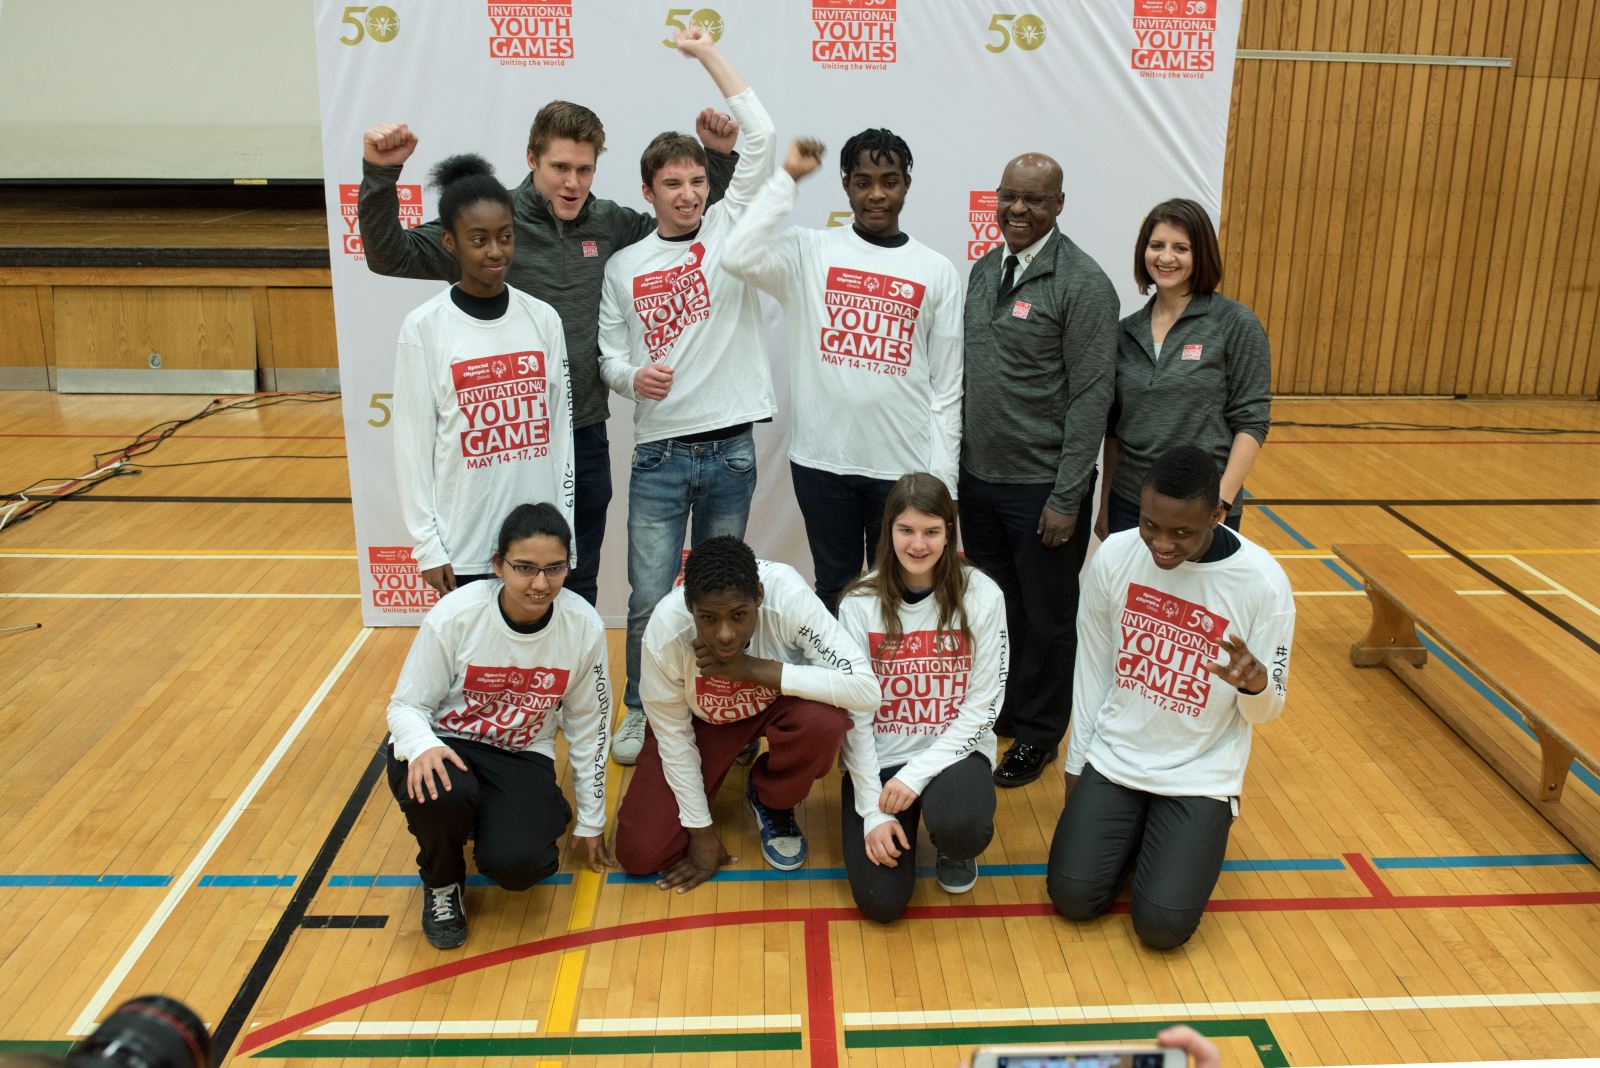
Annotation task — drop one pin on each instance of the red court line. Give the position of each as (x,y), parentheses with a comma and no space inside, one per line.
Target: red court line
(1368,876)
(187,437)
(819,975)
(819,995)
(1277,441)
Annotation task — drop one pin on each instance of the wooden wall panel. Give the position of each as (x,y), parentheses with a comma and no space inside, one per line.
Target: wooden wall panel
(21,331)
(118,327)
(301,321)
(1416,229)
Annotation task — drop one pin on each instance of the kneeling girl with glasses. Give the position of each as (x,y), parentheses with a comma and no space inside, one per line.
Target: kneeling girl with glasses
(495,668)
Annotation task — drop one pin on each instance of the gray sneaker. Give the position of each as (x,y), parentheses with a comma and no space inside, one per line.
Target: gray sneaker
(955,876)
(630,737)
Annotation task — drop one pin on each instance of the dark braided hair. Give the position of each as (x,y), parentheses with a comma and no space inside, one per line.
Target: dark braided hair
(880,146)
(1186,473)
(717,565)
(463,181)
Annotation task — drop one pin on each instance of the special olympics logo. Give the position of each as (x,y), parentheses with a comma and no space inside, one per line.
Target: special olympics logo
(870,285)
(1169,609)
(500,367)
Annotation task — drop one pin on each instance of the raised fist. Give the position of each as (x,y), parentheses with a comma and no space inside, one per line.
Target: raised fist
(388,144)
(805,156)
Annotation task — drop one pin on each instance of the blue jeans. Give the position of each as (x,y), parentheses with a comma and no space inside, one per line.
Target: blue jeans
(592,493)
(713,481)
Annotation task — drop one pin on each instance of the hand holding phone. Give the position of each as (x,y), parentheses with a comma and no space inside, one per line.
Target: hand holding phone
(1086,1055)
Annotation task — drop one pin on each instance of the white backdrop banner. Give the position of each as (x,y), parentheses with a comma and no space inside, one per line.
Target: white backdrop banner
(1131,96)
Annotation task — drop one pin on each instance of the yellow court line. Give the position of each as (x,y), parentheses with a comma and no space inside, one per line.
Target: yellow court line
(585,898)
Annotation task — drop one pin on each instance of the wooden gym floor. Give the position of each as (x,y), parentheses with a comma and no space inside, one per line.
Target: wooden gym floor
(189,803)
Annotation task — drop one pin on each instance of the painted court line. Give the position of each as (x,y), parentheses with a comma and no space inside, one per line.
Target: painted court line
(1199,1009)
(156,554)
(113,596)
(426,1027)
(97,1004)
(1548,581)
(685,1023)
(1508,860)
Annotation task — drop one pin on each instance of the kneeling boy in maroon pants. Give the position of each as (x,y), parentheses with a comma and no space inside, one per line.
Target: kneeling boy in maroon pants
(742,650)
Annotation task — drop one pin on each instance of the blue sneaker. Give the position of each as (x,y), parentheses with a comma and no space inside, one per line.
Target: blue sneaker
(782,843)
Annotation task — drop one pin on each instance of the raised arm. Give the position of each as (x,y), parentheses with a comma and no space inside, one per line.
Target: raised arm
(390,248)
(755,252)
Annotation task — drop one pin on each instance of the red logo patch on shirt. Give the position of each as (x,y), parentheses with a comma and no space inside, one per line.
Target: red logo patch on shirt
(1020,309)
(923,679)
(591,249)
(1191,352)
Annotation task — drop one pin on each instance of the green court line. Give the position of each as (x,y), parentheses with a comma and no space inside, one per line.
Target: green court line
(40,1045)
(1256,1030)
(584,1045)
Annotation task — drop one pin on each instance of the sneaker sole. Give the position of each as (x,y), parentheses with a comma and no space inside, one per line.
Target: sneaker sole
(626,762)
(947,888)
(787,865)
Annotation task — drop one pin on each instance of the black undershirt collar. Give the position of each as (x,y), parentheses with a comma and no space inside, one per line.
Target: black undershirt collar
(690,236)
(917,596)
(882,242)
(1224,543)
(486,308)
(526,628)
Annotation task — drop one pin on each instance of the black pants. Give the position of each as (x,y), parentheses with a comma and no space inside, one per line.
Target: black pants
(1000,533)
(1174,845)
(511,800)
(843,516)
(959,805)
(1123,514)
(592,468)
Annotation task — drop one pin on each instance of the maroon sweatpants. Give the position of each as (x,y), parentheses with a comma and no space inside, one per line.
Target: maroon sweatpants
(803,739)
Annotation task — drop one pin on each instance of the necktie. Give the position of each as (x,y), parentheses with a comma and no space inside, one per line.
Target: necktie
(1008,279)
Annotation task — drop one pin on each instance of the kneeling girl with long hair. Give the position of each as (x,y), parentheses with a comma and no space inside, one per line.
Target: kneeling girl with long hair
(935,628)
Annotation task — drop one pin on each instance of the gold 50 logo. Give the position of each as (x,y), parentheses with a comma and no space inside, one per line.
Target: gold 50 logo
(381,24)
(1024,31)
(705,18)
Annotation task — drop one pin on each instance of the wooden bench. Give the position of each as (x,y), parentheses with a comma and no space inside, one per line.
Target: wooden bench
(1563,714)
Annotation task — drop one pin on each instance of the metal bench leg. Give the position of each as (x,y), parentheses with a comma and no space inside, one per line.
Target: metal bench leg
(1392,633)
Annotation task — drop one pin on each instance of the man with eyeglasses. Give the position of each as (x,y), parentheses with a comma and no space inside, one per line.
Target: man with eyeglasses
(1040,351)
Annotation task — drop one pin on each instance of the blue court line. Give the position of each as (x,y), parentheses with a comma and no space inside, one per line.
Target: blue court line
(85,880)
(1499,703)
(246,880)
(1509,860)
(767,875)
(558,879)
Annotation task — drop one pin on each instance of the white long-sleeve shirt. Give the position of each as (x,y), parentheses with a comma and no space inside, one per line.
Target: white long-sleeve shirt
(874,342)
(820,663)
(939,697)
(482,423)
(670,303)
(1145,711)
(469,675)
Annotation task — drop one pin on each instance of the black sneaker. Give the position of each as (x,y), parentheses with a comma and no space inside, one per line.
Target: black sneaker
(444,916)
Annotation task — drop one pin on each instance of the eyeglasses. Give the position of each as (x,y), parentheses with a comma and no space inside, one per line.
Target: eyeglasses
(1034,201)
(533,571)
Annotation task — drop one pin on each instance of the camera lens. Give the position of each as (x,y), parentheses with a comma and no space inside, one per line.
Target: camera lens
(147,1032)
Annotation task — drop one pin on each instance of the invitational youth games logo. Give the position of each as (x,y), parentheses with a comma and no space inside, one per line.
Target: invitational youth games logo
(530,35)
(1175,38)
(506,706)
(505,402)
(397,585)
(728,701)
(924,678)
(1166,644)
(983,219)
(870,321)
(349,196)
(853,34)
(670,301)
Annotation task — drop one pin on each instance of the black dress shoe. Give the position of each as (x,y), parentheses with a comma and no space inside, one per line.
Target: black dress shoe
(1022,764)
